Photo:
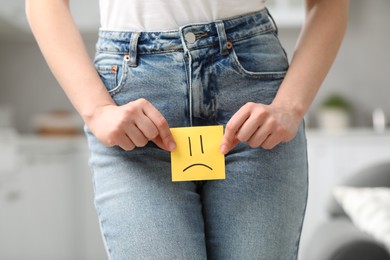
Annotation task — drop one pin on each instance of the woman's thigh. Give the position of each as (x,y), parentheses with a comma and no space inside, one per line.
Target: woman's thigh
(142,214)
(258,211)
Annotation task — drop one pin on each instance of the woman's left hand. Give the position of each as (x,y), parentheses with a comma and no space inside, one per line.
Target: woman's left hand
(260,125)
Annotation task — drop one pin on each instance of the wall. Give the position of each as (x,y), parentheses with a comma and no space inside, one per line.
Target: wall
(27,85)
(361,69)
(360,72)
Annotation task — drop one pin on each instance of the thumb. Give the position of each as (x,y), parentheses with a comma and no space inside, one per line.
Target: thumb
(227,146)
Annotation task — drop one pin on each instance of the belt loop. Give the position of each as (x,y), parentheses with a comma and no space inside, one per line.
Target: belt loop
(223,43)
(132,61)
(272,21)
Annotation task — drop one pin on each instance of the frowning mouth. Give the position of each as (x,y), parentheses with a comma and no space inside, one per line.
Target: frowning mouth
(198,164)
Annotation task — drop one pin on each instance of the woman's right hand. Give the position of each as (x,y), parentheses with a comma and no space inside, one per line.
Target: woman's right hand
(131,125)
(128,126)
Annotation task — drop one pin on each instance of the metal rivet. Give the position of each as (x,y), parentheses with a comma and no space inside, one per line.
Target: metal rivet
(229,45)
(190,37)
(114,69)
(127,57)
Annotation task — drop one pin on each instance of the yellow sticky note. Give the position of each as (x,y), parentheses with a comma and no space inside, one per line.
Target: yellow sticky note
(197,156)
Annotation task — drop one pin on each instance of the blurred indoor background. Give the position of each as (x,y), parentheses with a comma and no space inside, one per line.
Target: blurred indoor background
(46,207)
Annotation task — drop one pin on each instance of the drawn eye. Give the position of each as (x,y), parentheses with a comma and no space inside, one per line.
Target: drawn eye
(201,144)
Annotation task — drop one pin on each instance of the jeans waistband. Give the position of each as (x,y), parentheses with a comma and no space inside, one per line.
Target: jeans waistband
(188,37)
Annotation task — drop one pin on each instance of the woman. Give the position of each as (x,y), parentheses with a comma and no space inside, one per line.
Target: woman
(162,64)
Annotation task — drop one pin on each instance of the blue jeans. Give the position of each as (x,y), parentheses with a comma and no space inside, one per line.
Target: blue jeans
(200,74)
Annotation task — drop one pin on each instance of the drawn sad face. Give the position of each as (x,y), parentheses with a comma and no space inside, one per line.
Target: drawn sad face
(199,164)
(197,156)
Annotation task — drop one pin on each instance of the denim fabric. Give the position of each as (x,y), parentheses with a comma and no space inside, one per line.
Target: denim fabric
(200,74)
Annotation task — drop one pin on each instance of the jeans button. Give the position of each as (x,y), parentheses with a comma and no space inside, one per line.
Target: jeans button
(190,37)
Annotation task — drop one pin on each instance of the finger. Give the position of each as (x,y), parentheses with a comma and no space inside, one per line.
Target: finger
(271,141)
(249,128)
(229,139)
(257,139)
(261,134)
(168,140)
(159,143)
(147,127)
(234,124)
(278,135)
(125,143)
(135,115)
(234,144)
(162,126)
(136,136)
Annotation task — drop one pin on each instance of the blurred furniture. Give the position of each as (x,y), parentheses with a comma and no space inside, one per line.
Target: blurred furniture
(338,238)
(46,202)
(334,157)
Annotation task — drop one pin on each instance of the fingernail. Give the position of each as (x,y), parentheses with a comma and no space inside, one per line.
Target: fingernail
(224,149)
(172,146)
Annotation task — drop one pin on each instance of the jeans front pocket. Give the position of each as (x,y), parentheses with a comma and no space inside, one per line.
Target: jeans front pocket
(260,56)
(113,72)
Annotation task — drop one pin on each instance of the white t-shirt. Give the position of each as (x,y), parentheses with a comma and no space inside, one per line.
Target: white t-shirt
(163,15)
